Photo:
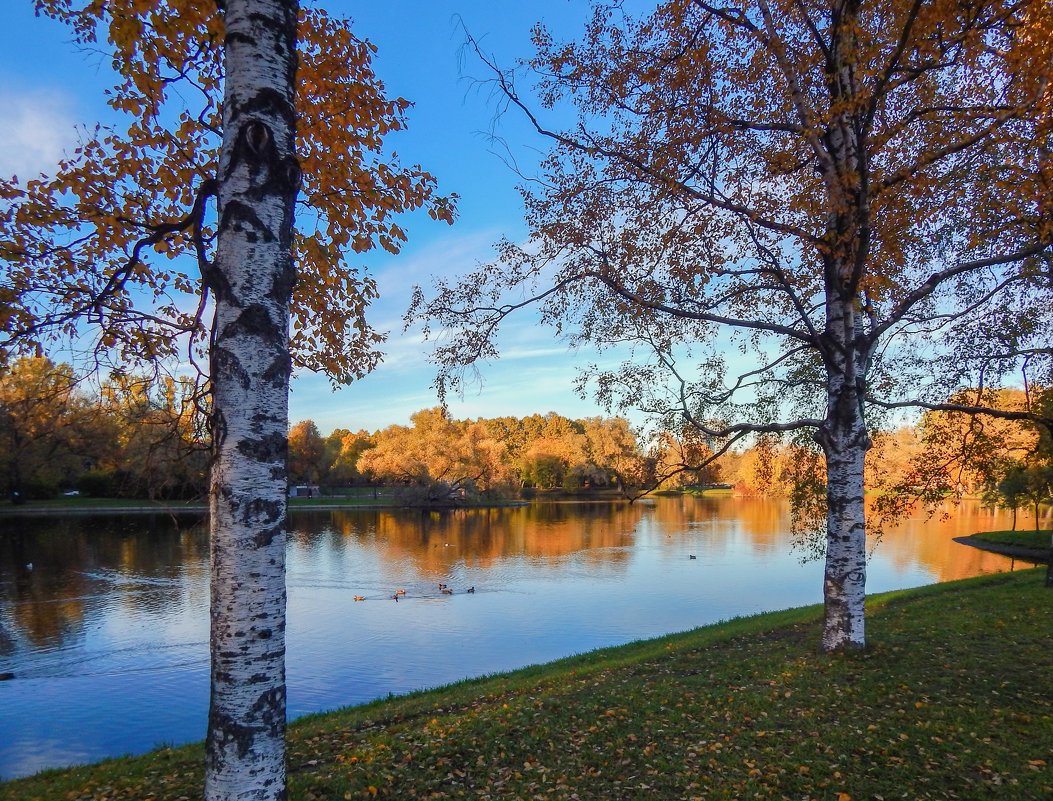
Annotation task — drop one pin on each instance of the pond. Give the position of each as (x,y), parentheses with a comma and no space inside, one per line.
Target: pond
(104,619)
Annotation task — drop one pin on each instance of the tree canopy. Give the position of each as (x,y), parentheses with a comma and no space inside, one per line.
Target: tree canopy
(798,214)
(121,235)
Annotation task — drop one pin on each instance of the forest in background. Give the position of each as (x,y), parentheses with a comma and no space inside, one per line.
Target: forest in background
(144,437)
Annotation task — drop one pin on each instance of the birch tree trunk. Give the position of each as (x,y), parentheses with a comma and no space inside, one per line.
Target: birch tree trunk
(251,283)
(843,434)
(845,442)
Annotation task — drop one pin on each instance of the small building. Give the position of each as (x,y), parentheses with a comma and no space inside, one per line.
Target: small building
(305,491)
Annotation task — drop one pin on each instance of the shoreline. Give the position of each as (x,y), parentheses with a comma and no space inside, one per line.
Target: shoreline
(49,508)
(1039,556)
(202,509)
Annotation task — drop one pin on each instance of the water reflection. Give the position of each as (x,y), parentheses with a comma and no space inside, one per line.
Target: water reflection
(55,571)
(437,540)
(928,541)
(107,634)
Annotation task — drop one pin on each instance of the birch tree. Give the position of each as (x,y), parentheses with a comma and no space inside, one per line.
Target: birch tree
(174,237)
(787,212)
(249,366)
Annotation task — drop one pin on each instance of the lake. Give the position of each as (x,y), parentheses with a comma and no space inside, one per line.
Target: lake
(107,633)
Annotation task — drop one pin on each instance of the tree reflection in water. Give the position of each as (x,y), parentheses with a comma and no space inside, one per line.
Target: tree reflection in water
(76,560)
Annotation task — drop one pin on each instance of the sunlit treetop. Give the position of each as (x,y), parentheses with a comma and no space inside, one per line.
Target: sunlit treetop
(120,235)
(767,167)
(736,108)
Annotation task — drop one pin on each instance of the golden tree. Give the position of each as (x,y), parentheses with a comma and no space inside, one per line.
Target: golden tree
(307,454)
(438,454)
(795,210)
(48,428)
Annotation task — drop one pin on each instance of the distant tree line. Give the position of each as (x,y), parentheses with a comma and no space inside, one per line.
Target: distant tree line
(1008,463)
(499,456)
(132,436)
(144,437)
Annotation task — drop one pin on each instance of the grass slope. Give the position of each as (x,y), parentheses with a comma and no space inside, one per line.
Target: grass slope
(953,700)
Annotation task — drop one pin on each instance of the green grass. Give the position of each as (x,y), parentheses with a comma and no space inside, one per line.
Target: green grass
(698,493)
(84,503)
(1022,539)
(365,500)
(952,700)
(64,504)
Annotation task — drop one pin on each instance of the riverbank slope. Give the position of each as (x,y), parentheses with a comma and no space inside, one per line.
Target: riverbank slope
(953,699)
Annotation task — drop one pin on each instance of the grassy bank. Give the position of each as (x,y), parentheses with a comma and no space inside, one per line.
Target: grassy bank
(88,504)
(711,492)
(953,700)
(84,505)
(1039,540)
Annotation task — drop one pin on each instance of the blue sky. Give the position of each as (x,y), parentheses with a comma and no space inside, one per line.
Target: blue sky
(47,87)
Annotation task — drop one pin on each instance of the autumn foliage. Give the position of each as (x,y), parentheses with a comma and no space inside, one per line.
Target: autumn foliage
(121,235)
(143,436)
(794,216)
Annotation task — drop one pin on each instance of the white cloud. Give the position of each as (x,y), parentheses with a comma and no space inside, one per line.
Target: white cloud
(35,129)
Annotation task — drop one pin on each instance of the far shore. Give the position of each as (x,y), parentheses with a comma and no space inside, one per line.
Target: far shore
(120,506)
(85,505)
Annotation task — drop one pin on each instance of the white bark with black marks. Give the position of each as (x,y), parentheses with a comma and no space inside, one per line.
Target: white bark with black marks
(251,283)
(845,442)
(845,346)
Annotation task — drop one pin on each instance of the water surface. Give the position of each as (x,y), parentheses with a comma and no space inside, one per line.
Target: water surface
(107,634)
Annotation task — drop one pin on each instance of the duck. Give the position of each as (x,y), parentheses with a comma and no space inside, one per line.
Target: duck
(446,591)
(471,589)
(442,586)
(395,597)
(400,592)
(691,556)
(360,597)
